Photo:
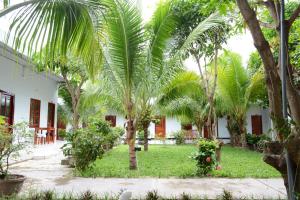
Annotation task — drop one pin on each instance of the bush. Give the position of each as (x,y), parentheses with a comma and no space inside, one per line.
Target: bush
(257,142)
(62,133)
(179,137)
(110,135)
(205,156)
(87,147)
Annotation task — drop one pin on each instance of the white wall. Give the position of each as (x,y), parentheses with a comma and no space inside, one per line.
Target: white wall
(173,125)
(253,110)
(17,78)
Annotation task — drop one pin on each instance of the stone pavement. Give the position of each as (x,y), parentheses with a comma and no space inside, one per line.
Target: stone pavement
(46,173)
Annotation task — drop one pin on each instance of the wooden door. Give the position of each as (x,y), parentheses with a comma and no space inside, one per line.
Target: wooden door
(160,128)
(35,111)
(256,121)
(7,107)
(51,115)
(50,122)
(112,119)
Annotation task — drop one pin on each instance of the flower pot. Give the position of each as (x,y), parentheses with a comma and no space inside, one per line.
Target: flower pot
(11,185)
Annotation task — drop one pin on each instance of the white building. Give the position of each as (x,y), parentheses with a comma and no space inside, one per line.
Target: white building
(258,122)
(26,95)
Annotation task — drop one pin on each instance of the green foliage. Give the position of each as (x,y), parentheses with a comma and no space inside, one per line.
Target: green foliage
(205,156)
(179,137)
(183,97)
(90,143)
(103,129)
(13,139)
(87,147)
(257,141)
(118,131)
(57,17)
(189,15)
(62,133)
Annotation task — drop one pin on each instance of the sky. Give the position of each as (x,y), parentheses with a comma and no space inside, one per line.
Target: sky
(241,44)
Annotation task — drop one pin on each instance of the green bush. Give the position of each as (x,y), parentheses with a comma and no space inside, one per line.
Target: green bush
(110,135)
(179,137)
(205,156)
(87,147)
(62,133)
(119,131)
(257,142)
(252,139)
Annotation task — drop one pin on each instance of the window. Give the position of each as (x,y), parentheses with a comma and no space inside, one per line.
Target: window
(35,109)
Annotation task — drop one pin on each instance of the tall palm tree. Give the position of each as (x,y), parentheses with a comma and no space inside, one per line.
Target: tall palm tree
(238,90)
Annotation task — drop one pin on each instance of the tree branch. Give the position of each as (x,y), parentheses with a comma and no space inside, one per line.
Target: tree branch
(294,16)
(267,25)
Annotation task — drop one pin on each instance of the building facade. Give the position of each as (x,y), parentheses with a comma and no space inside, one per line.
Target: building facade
(258,122)
(26,95)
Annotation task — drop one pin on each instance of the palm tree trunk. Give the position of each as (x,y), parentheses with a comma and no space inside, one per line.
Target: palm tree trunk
(243,132)
(146,137)
(131,144)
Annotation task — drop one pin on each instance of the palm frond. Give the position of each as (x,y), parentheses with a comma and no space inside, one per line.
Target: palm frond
(125,34)
(56,26)
(162,25)
(212,21)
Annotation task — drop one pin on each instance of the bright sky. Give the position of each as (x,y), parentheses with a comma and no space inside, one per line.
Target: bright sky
(242,44)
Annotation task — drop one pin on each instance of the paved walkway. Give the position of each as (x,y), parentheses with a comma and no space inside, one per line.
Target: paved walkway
(46,173)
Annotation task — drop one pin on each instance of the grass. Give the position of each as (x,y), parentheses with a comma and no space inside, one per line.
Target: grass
(174,161)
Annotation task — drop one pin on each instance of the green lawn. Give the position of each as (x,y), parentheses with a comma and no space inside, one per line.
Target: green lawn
(174,161)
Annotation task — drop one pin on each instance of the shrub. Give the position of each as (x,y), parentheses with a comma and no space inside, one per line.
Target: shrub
(62,133)
(109,135)
(179,137)
(205,156)
(87,147)
(257,142)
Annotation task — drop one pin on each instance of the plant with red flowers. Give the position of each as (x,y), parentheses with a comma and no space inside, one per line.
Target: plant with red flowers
(205,156)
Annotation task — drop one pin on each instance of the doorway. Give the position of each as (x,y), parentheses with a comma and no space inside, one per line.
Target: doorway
(7,107)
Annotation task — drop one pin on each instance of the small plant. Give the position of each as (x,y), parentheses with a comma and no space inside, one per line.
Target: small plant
(13,139)
(205,156)
(179,137)
(88,195)
(186,196)
(152,195)
(226,195)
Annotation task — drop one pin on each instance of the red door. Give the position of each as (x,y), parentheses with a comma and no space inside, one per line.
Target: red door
(256,121)
(7,107)
(50,121)
(160,128)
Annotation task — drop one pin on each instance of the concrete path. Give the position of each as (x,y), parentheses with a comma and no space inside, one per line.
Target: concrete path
(46,173)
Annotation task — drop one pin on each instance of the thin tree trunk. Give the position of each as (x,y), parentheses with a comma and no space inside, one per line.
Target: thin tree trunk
(131,138)
(145,137)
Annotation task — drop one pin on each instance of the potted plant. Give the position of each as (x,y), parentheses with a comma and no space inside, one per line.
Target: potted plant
(12,140)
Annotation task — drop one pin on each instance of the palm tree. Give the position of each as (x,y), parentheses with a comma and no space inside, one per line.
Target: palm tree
(63,25)
(237,91)
(183,97)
